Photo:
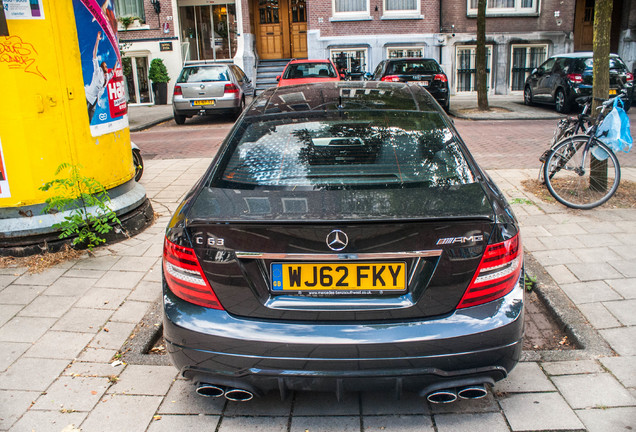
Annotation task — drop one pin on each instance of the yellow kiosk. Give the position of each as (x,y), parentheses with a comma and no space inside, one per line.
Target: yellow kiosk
(63,101)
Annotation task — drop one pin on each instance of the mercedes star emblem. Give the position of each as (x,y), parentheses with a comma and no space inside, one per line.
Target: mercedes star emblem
(337,240)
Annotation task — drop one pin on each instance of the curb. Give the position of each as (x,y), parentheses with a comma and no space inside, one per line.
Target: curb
(149,124)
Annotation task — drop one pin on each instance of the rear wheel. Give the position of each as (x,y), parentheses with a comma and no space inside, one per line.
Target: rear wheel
(138,163)
(527,96)
(561,102)
(179,119)
(240,108)
(581,184)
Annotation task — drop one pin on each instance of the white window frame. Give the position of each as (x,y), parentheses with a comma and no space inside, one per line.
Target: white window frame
(488,67)
(350,16)
(527,47)
(516,10)
(404,48)
(139,6)
(404,13)
(353,49)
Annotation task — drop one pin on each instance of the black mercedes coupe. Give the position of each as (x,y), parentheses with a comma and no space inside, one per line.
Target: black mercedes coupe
(344,239)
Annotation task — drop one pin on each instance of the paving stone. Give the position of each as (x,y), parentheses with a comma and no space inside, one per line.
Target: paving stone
(379,403)
(608,419)
(594,271)
(625,251)
(621,340)
(119,413)
(83,320)
(532,244)
(70,286)
(120,279)
(102,298)
(13,271)
(154,275)
(561,274)
(31,374)
(571,367)
(623,310)
(19,294)
(594,390)
(173,423)
(6,279)
(7,312)
(623,368)
(46,277)
(269,404)
(136,251)
(103,263)
(322,424)
(48,306)
(625,287)
(113,335)
(13,404)
(491,422)
(97,355)
(84,273)
(394,423)
(10,352)
(599,240)
(627,268)
(557,242)
(134,264)
(565,229)
(145,380)
(48,421)
(596,254)
(76,394)
(256,424)
(525,377)
(59,345)
(556,257)
(146,291)
(25,329)
(598,315)
(90,369)
(131,311)
(589,292)
(182,399)
(325,404)
(539,411)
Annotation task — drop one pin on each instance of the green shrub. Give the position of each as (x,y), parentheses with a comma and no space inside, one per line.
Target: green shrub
(158,72)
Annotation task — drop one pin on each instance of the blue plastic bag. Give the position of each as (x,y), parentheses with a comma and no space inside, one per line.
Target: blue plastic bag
(614,130)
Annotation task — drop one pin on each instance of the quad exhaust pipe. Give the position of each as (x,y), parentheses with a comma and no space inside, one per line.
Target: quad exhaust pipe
(451,395)
(215,391)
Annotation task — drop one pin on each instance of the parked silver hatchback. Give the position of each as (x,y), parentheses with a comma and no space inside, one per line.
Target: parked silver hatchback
(210,88)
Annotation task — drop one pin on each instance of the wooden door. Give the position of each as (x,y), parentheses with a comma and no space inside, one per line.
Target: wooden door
(298,28)
(269,29)
(584,25)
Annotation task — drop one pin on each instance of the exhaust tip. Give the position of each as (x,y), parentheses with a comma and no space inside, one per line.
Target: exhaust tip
(442,396)
(210,390)
(239,395)
(472,392)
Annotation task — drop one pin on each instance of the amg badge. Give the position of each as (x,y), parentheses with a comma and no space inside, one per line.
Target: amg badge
(453,240)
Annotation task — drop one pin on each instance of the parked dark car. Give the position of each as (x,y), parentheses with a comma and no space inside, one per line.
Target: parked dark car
(343,239)
(210,88)
(564,77)
(422,71)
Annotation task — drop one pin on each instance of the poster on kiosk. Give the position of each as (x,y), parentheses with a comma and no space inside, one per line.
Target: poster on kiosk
(106,105)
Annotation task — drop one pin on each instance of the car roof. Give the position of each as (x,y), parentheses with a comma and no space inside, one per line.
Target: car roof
(350,95)
(294,61)
(412,59)
(582,54)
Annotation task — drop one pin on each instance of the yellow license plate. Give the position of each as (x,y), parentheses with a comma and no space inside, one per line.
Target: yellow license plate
(202,102)
(612,92)
(339,278)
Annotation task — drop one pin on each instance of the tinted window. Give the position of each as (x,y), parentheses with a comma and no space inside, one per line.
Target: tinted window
(586,64)
(203,74)
(309,70)
(413,67)
(358,149)
(547,66)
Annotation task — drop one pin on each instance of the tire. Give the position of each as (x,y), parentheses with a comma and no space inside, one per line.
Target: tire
(527,96)
(179,119)
(561,102)
(240,109)
(138,162)
(573,187)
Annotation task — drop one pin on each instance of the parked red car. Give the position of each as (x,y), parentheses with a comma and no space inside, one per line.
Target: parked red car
(308,71)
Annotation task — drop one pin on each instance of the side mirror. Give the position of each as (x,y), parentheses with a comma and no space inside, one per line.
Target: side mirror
(278,78)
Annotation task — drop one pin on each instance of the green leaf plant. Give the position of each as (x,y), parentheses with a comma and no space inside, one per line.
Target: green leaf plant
(78,194)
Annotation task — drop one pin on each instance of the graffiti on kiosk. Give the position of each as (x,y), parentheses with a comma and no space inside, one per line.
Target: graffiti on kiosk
(18,54)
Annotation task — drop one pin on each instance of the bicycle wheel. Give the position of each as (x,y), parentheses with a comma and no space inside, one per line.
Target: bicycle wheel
(578,183)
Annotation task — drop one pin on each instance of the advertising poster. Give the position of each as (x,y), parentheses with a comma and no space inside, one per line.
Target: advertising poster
(4,182)
(23,9)
(106,106)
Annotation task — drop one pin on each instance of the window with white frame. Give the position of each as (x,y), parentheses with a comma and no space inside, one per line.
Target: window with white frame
(505,7)
(401,7)
(402,52)
(466,69)
(352,61)
(524,58)
(130,8)
(345,8)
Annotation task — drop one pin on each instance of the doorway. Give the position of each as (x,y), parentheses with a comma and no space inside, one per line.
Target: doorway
(208,32)
(280,27)
(135,68)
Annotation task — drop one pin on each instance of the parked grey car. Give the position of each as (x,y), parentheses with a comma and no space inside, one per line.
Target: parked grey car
(210,88)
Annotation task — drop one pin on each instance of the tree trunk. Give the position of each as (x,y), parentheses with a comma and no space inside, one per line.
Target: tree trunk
(602,28)
(480,57)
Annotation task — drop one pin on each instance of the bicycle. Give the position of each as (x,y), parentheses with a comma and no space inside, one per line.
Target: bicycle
(580,171)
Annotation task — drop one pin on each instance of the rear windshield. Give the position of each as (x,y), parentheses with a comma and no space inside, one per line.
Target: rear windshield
(585,64)
(413,67)
(310,70)
(203,74)
(354,150)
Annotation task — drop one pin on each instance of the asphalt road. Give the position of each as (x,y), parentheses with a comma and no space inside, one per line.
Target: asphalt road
(494,144)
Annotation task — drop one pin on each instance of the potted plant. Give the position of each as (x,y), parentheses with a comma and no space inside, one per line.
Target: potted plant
(158,74)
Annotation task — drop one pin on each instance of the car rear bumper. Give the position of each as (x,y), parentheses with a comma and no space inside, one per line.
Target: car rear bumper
(221,104)
(472,345)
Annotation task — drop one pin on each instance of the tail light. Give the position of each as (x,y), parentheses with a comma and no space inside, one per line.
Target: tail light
(629,77)
(497,274)
(391,78)
(184,276)
(575,78)
(177,91)
(440,77)
(231,88)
